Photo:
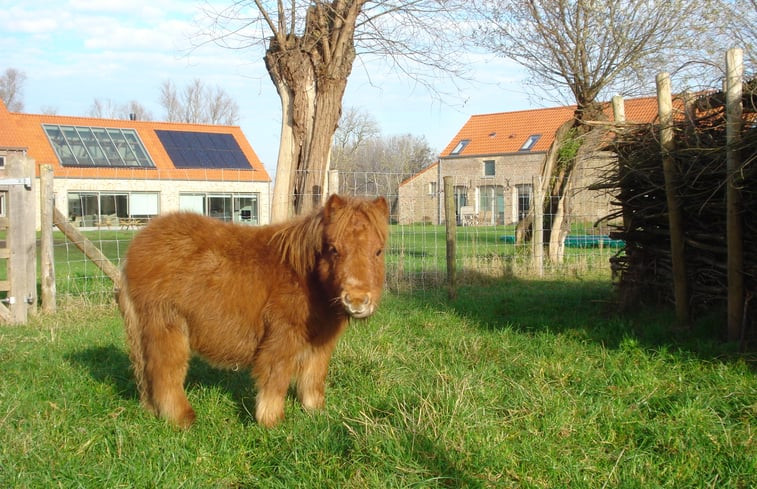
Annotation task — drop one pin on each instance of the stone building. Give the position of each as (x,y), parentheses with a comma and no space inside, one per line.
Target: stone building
(494,161)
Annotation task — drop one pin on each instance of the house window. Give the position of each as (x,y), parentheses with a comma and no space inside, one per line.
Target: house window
(460,146)
(491,204)
(2,161)
(489,168)
(525,193)
(2,203)
(226,207)
(432,188)
(530,142)
(89,209)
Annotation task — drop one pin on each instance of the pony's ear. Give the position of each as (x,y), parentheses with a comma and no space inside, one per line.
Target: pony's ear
(333,204)
(382,206)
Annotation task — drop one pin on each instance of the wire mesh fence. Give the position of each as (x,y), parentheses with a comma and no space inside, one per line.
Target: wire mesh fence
(486,223)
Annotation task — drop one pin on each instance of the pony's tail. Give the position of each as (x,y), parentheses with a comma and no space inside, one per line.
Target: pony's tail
(134,338)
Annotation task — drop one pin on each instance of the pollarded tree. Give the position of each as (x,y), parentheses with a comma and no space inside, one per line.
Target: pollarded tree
(310,47)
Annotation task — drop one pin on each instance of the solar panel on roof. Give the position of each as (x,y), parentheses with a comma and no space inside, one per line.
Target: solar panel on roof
(208,150)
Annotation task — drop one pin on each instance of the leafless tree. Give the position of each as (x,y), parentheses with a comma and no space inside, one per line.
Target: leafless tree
(11,89)
(169,100)
(137,111)
(370,163)
(736,23)
(310,47)
(356,128)
(582,50)
(107,109)
(221,108)
(198,104)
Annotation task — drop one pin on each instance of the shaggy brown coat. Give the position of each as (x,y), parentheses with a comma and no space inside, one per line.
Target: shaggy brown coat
(272,298)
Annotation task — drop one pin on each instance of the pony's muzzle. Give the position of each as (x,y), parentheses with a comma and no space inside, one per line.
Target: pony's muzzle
(358,305)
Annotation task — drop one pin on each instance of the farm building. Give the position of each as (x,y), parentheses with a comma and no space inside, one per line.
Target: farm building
(494,159)
(118,173)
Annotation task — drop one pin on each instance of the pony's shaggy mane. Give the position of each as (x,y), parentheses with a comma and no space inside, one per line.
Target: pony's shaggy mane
(300,241)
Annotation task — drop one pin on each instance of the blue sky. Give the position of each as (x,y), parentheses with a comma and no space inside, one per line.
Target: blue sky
(75,51)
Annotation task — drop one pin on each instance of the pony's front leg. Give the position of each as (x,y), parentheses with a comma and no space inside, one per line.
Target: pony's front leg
(272,382)
(311,381)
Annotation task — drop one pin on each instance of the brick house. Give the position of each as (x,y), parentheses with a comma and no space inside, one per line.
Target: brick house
(109,172)
(494,159)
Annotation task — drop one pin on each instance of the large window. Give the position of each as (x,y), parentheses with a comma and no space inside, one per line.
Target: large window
(525,193)
(491,204)
(226,207)
(97,146)
(88,209)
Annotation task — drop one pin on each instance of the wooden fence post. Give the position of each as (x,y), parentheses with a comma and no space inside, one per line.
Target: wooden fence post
(91,251)
(538,228)
(735,241)
(675,221)
(22,251)
(618,108)
(451,225)
(333,182)
(619,115)
(47,253)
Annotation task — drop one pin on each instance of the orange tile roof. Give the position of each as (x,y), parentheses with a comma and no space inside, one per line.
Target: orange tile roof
(19,130)
(421,172)
(506,132)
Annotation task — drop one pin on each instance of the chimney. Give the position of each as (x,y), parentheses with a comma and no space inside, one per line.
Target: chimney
(132,116)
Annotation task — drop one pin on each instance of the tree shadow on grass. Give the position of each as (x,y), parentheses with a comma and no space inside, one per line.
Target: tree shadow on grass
(111,365)
(586,309)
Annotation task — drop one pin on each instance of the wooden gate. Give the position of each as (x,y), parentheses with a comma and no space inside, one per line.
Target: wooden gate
(18,209)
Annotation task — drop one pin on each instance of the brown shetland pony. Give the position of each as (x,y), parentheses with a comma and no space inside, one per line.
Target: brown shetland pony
(272,298)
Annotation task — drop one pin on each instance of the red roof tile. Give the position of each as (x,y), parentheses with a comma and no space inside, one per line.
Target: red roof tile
(506,132)
(19,130)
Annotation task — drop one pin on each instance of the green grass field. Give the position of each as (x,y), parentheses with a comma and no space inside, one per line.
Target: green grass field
(522,383)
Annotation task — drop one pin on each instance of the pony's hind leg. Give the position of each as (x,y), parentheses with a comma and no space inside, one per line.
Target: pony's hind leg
(166,363)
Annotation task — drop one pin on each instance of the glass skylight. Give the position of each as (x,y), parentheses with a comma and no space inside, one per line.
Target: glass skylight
(97,146)
(460,146)
(530,142)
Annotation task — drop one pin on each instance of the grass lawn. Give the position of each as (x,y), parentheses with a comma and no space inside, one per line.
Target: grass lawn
(514,384)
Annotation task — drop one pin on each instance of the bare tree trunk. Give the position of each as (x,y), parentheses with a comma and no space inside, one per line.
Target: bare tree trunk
(548,167)
(310,74)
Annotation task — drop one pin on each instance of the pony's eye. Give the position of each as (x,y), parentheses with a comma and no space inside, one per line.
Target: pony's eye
(333,251)
(378,253)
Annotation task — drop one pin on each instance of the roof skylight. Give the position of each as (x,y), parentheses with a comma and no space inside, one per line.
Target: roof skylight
(530,142)
(97,146)
(460,146)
